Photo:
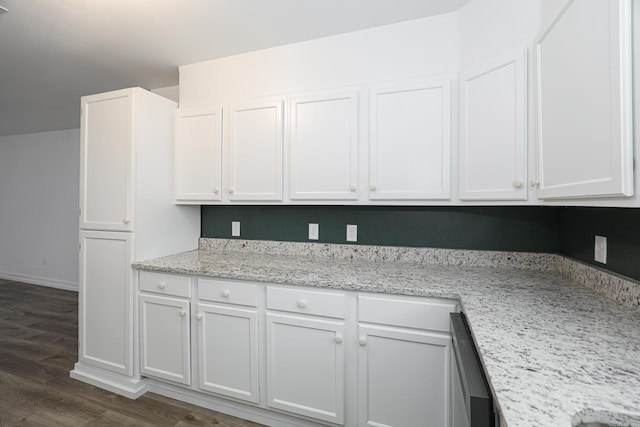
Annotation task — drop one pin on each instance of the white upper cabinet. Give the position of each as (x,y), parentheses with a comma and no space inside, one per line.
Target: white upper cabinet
(410,138)
(324,146)
(106,184)
(584,97)
(255,151)
(198,154)
(493,131)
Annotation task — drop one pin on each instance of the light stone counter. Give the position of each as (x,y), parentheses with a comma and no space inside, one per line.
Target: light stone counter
(555,351)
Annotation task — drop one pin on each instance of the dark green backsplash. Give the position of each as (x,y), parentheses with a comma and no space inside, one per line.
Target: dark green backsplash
(529,229)
(621,227)
(566,230)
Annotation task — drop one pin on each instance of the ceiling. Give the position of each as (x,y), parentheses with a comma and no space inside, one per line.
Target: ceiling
(54,51)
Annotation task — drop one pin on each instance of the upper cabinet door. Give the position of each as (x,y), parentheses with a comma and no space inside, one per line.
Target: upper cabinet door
(410,138)
(583,71)
(493,132)
(198,154)
(324,146)
(106,183)
(255,151)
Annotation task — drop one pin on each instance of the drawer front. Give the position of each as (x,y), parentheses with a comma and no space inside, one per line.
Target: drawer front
(422,313)
(228,292)
(319,303)
(165,284)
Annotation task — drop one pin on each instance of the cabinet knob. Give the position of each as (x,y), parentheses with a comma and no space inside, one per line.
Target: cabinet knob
(352,188)
(362,341)
(125,220)
(199,316)
(517,183)
(372,187)
(162,285)
(182,313)
(338,339)
(226,293)
(215,190)
(534,183)
(230,190)
(302,303)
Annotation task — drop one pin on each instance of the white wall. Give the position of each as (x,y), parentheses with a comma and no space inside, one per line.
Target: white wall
(422,47)
(39,208)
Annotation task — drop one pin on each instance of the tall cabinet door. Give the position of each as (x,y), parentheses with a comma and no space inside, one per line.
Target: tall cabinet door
(255,151)
(198,154)
(228,351)
(410,139)
(403,377)
(106,183)
(305,367)
(105,301)
(493,131)
(324,146)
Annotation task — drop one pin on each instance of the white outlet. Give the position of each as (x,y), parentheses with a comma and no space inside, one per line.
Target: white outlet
(600,249)
(314,230)
(235,228)
(352,233)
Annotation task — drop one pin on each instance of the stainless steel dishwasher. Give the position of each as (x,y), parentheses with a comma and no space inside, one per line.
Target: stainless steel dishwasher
(471,401)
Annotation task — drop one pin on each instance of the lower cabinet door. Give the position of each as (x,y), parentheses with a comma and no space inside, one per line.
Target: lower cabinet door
(403,377)
(305,366)
(164,338)
(228,351)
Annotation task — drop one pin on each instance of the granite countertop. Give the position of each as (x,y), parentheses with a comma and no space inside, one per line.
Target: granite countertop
(556,353)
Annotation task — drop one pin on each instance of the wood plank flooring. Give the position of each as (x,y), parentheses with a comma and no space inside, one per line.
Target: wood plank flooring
(38,348)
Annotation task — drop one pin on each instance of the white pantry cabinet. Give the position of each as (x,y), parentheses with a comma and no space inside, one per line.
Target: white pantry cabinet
(106,301)
(198,154)
(493,131)
(126,215)
(584,101)
(255,150)
(410,140)
(323,146)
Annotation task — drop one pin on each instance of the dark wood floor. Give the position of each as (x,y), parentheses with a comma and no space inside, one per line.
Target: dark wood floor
(38,347)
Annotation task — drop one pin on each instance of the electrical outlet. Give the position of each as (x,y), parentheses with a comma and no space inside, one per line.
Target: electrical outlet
(600,249)
(352,233)
(235,228)
(314,230)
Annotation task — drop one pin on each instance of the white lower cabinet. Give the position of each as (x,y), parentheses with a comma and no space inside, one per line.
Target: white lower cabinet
(228,351)
(305,366)
(164,338)
(287,355)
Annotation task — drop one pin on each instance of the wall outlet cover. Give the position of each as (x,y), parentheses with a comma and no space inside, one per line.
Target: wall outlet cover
(314,231)
(235,228)
(600,250)
(352,233)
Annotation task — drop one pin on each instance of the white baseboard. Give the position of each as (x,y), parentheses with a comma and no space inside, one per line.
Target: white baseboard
(41,281)
(131,387)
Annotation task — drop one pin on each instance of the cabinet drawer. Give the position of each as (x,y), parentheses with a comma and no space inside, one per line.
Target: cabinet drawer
(320,303)
(419,313)
(166,284)
(228,291)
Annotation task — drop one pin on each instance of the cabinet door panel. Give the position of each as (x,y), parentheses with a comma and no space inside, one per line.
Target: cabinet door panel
(106,184)
(324,146)
(228,351)
(493,129)
(255,151)
(105,296)
(198,154)
(164,338)
(403,377)
(584,101)
(305,367)
(410,127)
